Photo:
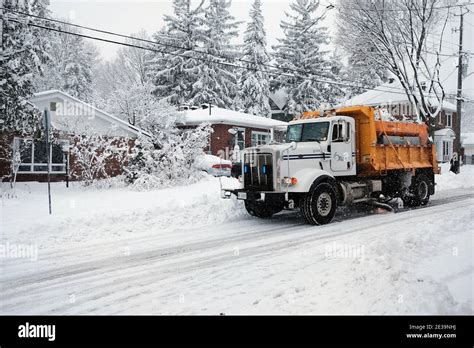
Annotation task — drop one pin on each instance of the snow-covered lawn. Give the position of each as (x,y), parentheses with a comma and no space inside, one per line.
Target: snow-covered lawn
(184,250)
(83,215)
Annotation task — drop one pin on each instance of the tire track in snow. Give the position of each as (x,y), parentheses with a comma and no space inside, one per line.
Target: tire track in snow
(191,262)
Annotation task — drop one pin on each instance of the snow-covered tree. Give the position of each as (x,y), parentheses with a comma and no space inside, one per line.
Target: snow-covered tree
(362,72)
(123,87)
(96,157)
(71,64)
(21,57)
(167,154)
(397,33)
(217,83)
(254,82)
(174,75)
(302,55)
(365,72)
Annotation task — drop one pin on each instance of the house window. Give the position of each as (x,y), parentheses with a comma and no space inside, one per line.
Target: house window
(447,150)
(449,120)
(30,156)
(240,138)
(260,138)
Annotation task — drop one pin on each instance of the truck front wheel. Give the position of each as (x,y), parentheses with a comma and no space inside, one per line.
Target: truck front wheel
(319,204)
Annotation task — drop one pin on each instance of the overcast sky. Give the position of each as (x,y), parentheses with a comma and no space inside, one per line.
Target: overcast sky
(127,17)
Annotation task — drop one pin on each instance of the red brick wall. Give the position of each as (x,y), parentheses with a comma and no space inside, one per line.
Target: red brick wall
(6,141)
(441,123)
(221,139)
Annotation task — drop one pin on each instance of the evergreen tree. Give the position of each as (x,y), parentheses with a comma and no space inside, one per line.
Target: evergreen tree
(71,65)
(175,75)
(302,50)
(122,86)
(78,76)
(21,57)
(365,73)
(254,83)
(217,83)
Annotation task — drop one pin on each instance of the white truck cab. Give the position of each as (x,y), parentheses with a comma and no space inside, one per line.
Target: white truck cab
(316,151)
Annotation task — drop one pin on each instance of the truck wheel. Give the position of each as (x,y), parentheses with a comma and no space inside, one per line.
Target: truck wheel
(261,210)
(319,204)
(419,190)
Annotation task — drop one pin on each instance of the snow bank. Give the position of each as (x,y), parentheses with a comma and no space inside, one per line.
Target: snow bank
(448,180)
(87,214)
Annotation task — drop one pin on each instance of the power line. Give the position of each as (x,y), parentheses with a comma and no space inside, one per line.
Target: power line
(388,89)
(401,9)
(156,42)
(301,71)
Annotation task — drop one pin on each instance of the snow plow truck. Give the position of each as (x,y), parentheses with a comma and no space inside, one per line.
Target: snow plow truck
(338,157)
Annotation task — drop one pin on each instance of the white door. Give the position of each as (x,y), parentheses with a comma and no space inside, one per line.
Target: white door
(341,146)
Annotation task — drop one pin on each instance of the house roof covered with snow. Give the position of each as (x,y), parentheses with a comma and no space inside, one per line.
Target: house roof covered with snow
(70,114)
(445,132)
(390,93)
(218,115)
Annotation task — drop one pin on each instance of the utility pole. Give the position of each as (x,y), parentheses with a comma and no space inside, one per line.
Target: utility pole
(459,100)
(47,129)
(1,26)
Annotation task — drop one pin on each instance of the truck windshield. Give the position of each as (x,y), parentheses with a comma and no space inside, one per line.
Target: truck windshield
(305,132)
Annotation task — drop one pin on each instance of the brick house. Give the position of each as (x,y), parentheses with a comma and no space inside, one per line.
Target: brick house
(250,130)
(69,117)
(390,97)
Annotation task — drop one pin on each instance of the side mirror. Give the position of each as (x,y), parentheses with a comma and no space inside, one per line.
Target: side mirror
(293,145)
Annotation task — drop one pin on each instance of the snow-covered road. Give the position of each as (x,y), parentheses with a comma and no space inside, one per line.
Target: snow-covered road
(206,256)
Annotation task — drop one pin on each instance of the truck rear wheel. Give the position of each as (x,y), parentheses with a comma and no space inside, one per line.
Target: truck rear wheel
(419,191)
(261,210)
(319,205)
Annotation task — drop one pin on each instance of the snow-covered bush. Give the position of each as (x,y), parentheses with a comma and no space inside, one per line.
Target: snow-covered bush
(98,157)
(166,156)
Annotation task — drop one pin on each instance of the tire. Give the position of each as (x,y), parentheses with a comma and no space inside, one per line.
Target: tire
(261,210)
(419,191)
(319,205)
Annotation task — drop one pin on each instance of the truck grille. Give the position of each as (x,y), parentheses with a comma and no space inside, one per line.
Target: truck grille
(258,172)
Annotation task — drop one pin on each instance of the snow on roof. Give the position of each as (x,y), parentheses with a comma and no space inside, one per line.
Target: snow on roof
(230,117)
(390,93)
(444,132)
(97,112)
(467,138)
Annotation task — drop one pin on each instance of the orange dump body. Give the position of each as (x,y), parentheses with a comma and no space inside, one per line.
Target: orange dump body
(383,146)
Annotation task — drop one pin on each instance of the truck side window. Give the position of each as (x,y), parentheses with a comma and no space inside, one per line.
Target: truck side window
(337,132)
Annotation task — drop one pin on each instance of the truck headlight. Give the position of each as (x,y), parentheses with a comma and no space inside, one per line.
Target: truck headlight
(290,181)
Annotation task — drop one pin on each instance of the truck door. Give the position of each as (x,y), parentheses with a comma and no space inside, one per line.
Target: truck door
(341,146)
